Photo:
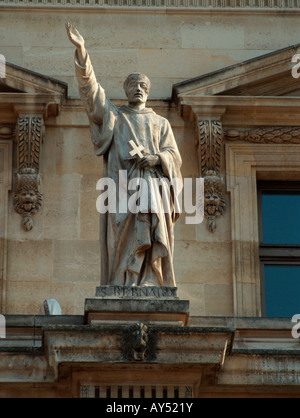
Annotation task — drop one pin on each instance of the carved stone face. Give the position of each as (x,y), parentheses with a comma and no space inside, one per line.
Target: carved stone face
(27,201)
(212,202)
(140,343)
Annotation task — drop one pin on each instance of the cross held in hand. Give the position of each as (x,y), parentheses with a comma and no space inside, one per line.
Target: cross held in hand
(136,149)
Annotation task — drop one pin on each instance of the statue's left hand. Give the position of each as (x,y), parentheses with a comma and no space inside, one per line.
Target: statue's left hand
(149,161)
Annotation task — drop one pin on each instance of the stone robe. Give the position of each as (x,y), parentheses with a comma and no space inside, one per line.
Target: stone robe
(136,248)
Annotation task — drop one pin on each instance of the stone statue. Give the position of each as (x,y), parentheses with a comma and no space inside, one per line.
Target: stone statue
(136,248)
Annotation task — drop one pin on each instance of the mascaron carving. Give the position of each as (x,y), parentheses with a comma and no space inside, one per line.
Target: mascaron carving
(138,343)
(28,199)
(214,201)
(210,140)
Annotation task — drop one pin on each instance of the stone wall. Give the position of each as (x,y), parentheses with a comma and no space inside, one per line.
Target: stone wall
(169,45)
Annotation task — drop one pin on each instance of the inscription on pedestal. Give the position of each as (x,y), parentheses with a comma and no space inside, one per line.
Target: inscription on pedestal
(136,292)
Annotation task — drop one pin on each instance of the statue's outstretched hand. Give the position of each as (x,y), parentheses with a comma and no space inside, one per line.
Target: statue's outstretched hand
(74,36)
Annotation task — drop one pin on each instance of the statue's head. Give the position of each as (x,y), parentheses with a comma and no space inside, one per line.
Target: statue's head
(137,88)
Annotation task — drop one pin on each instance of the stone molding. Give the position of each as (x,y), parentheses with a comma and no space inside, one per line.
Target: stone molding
(266,135)
(182,5)
(129,310)
(6,151)
(7,132)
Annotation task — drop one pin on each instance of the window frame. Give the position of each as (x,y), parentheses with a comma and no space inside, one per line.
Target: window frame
(274,254)
(245,164)
(6,170)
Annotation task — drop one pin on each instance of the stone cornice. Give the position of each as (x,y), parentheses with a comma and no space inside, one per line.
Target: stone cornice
(244,6)
(236,351)
(243,110)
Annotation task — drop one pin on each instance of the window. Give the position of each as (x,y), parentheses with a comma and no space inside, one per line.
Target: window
(279,247)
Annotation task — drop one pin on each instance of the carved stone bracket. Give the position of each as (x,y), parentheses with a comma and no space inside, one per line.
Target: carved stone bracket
(28,199)
(210,148)
(138,343)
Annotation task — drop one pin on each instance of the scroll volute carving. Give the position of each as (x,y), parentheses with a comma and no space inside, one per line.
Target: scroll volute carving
(210,148)
(28,198)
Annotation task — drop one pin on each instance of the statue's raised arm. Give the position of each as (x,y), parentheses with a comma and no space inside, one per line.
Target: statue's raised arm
(91,93)
(78,41)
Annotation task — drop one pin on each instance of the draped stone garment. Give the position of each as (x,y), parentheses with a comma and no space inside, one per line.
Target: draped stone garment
(136,248)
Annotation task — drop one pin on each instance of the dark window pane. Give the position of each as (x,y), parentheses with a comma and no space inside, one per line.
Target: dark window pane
(281,218)
(282,290)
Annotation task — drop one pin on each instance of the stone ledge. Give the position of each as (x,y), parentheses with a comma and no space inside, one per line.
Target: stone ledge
(40,320)
(105,344)
(213,349)
(136,305)
(242,322)
(159,311)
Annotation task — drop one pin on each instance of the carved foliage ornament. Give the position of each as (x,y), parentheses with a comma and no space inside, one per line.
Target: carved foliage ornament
(266,135)
(28,199)
(210,140)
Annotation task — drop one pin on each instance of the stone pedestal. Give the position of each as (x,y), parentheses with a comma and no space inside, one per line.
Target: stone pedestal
(125,305)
